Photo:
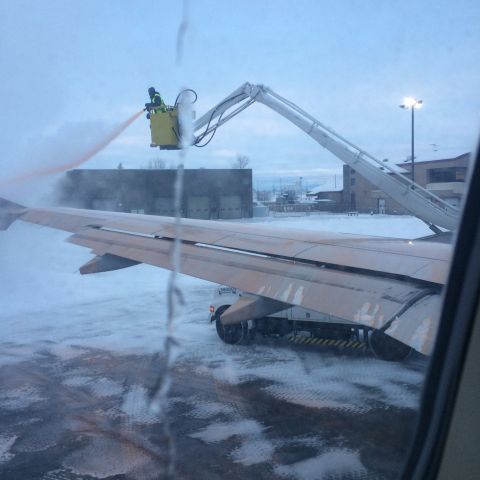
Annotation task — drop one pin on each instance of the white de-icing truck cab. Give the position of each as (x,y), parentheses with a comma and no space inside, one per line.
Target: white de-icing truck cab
(296,324)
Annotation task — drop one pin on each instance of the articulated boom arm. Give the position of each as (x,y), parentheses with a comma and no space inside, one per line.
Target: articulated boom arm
(422,203)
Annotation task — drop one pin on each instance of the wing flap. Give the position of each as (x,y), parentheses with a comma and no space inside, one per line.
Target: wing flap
(354,297)
(417,326)
(248,308)
(404,264)
(419,260)
(106,263)
(9,212)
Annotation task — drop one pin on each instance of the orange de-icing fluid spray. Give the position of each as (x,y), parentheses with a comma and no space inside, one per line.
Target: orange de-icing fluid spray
(75,162)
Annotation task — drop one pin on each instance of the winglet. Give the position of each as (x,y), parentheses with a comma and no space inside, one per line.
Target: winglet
(9,212)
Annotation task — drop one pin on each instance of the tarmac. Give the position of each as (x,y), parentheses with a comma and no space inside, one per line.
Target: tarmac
(88,417)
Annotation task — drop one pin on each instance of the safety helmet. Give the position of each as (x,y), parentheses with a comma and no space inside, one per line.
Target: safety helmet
(151,90)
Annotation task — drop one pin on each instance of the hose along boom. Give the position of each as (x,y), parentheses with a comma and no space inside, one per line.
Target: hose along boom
(422,203)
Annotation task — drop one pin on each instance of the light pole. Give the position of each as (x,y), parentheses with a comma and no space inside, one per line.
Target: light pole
(412,103)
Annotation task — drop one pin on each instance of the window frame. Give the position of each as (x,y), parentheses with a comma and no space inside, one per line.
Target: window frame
(460,304)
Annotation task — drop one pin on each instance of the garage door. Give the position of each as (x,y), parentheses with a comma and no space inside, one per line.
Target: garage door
(198,207)
(106,204)
(230,206)
(164,206)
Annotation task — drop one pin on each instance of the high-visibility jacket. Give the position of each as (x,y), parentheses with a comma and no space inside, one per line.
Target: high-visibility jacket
(158,101)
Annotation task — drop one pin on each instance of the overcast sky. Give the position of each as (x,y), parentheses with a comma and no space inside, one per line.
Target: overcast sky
(71,70)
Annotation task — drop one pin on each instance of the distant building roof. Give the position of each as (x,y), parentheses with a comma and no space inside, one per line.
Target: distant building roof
(463,156)
(397,168)
(326,188)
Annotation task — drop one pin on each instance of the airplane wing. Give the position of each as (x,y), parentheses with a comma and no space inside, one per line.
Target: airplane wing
(387,284)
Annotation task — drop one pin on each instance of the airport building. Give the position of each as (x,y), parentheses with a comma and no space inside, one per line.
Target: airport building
(327,199)
(445,178)
(207,193)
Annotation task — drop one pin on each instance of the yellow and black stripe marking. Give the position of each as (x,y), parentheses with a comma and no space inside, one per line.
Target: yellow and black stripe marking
(327,342)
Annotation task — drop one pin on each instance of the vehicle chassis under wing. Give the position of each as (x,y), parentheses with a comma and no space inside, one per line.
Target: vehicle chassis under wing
(239,317)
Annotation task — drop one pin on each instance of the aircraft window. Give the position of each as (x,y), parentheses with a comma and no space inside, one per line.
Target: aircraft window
(244,278)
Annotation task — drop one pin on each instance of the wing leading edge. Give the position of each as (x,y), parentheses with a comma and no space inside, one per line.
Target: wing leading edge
(387,284)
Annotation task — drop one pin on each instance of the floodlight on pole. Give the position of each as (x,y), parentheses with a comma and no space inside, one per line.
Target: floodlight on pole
(412,103)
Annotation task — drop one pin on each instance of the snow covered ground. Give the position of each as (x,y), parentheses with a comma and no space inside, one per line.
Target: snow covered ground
(48,309)
(397,226)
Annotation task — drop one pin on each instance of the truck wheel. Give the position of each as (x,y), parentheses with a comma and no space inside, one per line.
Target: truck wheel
(387,348)
(232,334)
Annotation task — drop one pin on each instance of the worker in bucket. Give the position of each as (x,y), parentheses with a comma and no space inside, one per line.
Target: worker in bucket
(156,103)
